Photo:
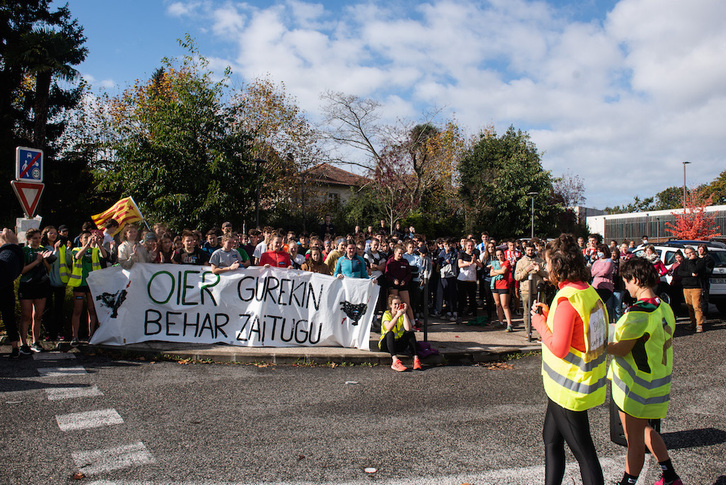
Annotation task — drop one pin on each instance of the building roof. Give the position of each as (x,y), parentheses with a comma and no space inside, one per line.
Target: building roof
(325,174)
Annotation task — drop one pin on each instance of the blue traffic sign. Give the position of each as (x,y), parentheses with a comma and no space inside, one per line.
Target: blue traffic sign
(28,164)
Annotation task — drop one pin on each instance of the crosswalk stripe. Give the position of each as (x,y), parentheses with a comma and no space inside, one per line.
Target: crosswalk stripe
(58,393)
(88,419)
(53,356)
(99,461)
(61,371)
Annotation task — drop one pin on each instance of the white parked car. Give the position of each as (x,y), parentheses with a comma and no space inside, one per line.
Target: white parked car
(717,294)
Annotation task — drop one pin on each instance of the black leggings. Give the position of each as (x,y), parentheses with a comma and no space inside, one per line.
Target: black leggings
(404,345)
(7,310)
(562,425)
(466,290)
(53,317)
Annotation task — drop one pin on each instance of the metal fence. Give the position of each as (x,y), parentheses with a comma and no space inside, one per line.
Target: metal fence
(634,228)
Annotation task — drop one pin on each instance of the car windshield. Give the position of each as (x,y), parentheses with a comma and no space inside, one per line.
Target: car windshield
(719,257)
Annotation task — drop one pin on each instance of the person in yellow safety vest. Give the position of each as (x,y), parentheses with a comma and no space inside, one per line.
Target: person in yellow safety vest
(641,370)
(397,334)
(574,363)
(85,259)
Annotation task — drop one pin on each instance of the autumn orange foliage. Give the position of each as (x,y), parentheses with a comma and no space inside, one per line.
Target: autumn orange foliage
(694,223)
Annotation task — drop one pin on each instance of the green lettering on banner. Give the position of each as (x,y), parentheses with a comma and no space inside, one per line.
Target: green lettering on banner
(205,287)
(171,290)
(185,286)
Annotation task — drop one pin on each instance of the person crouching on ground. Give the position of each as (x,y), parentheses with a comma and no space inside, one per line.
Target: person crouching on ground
(641,370)
(397,334)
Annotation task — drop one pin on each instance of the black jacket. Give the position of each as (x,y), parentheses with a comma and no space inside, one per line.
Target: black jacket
(687,268)
(11,263)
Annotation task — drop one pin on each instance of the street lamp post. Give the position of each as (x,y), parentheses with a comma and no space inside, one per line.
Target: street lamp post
(257,161)
(532,194)
(684,183)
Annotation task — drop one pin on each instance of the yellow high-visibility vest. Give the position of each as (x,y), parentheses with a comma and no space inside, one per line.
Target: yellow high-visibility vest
(76,276)
(578,381)
(63,270)
(642,389)
(397,327)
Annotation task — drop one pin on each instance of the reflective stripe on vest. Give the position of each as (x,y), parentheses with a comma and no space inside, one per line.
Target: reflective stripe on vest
(63,265)
(579,380)
(645,393)
(571,385)
(76,277)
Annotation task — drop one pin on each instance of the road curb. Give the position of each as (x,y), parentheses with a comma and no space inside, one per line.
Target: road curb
(287,356)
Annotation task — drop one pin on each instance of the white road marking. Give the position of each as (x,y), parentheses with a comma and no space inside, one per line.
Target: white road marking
(53,356)
(99,461)
(58,393)
(88,419)
(511,476)
(61,371)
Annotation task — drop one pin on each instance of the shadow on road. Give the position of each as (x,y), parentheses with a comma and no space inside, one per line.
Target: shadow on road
(693,438)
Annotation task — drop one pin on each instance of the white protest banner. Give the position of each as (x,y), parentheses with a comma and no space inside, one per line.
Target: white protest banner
(254,307)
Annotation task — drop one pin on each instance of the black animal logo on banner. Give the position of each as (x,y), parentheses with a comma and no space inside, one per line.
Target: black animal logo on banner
(354,311)
(112,301)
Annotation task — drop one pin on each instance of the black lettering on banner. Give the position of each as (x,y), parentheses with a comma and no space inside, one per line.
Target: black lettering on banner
(258,327)
(157,315)
(275,318)
(217,326)
(170,323)
(294,293)
(282,290)
(245,317)
(171,290)
(206,325)
(300,329)
(269,288)
(282,331)
(312,330)
(260,296)
(194,324)
(183,287)
(250,290)
(205,287)
(311,296)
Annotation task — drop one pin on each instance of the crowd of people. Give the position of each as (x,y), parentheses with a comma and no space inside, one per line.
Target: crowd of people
(449,277)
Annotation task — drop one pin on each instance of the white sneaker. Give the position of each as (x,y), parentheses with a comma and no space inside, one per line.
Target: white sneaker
(453,317)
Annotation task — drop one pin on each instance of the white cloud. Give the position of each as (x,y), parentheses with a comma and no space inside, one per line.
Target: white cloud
(182,8)
(620,100)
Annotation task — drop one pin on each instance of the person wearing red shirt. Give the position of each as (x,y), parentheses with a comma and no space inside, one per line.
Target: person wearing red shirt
(277,257)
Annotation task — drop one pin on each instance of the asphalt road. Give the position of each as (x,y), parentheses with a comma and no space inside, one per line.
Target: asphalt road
(129,422)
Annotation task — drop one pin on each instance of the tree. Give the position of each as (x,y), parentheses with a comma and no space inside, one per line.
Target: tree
(694,223)
(670,198)
(410,164)
(718,189)
(496,174)
(638,205)
(177,152)
(281,134)
(38,47)
(570,189)
(354,122)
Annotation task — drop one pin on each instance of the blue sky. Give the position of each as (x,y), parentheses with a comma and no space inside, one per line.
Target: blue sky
(618,92)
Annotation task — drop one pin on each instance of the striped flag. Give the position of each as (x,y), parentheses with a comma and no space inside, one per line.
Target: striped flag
(124,212)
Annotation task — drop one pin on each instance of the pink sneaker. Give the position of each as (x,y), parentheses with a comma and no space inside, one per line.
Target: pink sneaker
(398,366)
(416,363)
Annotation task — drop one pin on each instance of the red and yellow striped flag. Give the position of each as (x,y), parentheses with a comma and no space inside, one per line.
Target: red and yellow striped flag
(124,212)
